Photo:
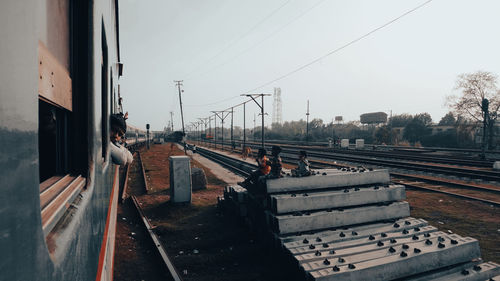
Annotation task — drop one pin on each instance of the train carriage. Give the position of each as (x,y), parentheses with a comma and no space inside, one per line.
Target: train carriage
(60,68)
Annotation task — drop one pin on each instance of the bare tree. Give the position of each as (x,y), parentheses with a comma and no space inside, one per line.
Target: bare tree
(475,89)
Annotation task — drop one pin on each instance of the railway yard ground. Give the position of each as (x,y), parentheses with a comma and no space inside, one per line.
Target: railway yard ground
(204,243)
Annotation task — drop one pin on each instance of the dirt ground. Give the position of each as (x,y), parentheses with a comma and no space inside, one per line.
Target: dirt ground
(466,218)
(136,258)
(201,241)
(204,244)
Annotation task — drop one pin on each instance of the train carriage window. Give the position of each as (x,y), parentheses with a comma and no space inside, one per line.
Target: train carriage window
(55,108)
(63,113)
(53,135)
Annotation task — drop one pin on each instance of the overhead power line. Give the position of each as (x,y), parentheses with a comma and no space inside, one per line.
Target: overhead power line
(261,41)
(340,48)
(213,103)
(268,16)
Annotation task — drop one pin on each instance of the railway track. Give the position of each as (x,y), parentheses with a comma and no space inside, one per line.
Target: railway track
(458,152)
(485,194)
(156,240)
(443,156)
(449,170)
(149,228)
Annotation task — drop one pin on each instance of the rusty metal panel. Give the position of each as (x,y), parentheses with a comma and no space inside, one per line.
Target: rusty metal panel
(54,81)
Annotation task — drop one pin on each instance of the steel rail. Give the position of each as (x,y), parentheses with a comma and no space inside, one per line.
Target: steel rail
(243,168)
(497,204)
(143,172)
(158,245)
(423,149)
(395,154)
(458,184)
(454,171)
(163,253)
(220,159)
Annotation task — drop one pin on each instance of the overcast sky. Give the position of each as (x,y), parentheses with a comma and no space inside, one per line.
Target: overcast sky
(225,48)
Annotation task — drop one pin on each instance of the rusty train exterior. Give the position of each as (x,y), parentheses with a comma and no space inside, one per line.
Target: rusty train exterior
(60,71)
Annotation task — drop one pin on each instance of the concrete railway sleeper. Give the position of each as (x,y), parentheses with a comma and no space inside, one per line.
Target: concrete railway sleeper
(365,240)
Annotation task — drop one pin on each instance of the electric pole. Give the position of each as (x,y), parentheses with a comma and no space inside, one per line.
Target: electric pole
(222,116)
(204,122)
(261,105)
(179,84)
(244,127)
(232,139)
(307,123)
(485,103)
(172,120)
(253,131)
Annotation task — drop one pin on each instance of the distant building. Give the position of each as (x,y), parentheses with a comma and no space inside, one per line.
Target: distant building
(373,118)
(473,131)
(440,129)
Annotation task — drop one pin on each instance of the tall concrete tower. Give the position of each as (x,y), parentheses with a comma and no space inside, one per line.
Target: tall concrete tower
(277,113)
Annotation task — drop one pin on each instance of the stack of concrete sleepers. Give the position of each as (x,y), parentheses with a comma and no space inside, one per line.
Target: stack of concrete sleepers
(354,225)
(235,199)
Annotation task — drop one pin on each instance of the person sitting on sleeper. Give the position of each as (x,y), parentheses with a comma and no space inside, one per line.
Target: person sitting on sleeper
(276,165)
(303,168)
(263,169)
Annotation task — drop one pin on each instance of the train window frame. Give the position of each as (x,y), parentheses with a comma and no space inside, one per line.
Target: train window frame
(59,192)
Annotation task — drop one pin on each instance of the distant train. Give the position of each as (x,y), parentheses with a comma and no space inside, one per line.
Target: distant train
(134,136)
(59,84)
(176,136)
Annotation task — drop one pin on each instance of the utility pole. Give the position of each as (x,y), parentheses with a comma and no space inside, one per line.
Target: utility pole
(232,139)
(147,136)
(179,84)
(261,105)
(244,127)
(307,124)
(210,126)
(204,122)
(485,103)
(390,123)
(194,131)
(215,131)
(332,129)
(253,131)
(172,120)
(200,130)
(222,116)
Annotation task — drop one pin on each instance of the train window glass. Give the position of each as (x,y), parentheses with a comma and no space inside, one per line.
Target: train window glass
(104,95)
(53,145)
